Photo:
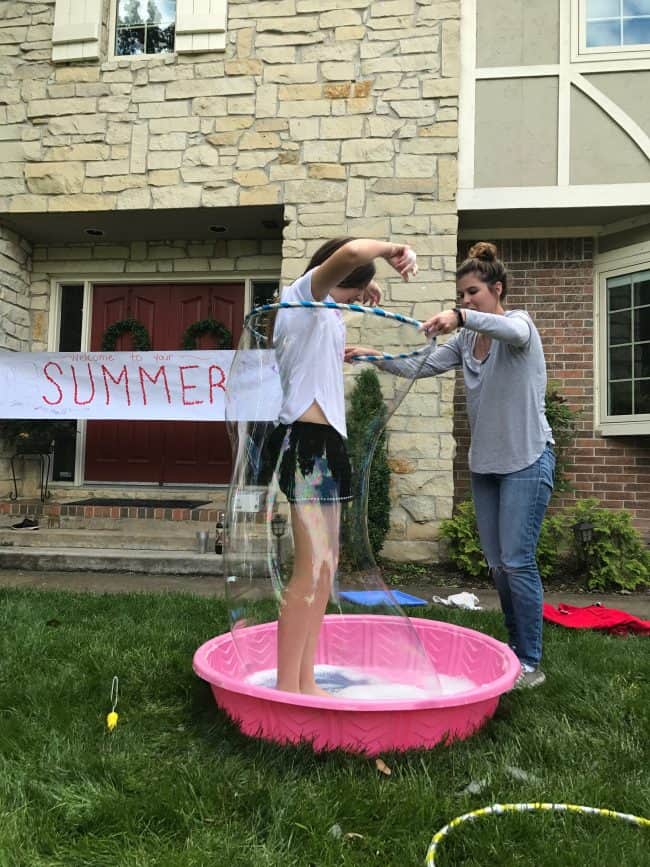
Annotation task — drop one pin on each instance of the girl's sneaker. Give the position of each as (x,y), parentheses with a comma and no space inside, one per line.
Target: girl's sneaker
(25,524)
(529,677)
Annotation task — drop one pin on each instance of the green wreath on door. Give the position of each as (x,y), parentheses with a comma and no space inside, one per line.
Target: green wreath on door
(218,330)
(140,335)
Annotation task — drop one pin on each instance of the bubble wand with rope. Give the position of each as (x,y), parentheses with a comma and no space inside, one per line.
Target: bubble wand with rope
(354,308)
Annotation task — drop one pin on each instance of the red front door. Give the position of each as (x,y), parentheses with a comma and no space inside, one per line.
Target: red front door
(162,452)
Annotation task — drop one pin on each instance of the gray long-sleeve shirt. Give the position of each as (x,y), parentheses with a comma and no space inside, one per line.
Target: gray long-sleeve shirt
(505,391)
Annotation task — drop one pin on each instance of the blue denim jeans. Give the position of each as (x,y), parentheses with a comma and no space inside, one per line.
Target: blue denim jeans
(509,512)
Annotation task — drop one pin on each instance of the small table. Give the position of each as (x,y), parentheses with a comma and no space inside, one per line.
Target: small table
(46,460)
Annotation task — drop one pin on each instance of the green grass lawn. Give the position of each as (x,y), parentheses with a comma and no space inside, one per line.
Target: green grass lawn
(176,784)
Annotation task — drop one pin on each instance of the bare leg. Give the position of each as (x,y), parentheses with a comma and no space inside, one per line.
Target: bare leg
(328,564)
(315,532)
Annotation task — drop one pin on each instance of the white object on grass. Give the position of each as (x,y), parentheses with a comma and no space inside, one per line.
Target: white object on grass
(459,600)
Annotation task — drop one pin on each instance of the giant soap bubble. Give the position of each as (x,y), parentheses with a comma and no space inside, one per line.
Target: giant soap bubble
(313,554)
(382,681)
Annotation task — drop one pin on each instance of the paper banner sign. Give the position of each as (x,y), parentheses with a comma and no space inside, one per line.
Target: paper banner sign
(148,386)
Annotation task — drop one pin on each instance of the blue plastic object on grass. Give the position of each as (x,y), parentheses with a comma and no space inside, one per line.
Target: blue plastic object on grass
(381,597)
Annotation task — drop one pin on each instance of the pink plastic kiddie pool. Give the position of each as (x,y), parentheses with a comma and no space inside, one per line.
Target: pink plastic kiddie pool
(472,669)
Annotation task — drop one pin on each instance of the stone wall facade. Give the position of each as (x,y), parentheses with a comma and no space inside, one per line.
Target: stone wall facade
(15,281)
(553,279)
(342,111)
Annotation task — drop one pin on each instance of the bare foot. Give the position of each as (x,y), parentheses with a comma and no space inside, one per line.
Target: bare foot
(292,688)
(313,689)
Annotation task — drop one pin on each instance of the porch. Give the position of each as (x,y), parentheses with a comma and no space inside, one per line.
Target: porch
(133,534)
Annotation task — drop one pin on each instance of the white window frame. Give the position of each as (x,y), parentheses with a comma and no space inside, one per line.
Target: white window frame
(202,37)
(617,263)
(579,50)
(112,33)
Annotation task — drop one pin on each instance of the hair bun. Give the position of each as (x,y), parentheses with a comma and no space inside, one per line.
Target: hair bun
(483,250)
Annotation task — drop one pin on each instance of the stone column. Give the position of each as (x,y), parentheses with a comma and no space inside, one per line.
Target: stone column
(15,277)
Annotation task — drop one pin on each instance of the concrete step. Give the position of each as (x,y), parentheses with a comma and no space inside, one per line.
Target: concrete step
(137,539)
(125,525)
(117,538)
(155,536)
(110,560)
(216,496)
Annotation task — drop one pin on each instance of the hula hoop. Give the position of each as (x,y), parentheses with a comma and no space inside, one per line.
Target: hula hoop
(355,308)
(499,809)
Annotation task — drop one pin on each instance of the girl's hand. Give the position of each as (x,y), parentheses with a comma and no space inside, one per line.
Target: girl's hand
(403,260)
(441,323)
(358,350)
(371,295)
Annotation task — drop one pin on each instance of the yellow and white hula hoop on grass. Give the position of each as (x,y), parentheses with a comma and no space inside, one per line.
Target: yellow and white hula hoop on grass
(499,809)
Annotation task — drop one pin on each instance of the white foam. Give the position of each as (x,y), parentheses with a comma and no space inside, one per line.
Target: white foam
(412,260)
(355,683)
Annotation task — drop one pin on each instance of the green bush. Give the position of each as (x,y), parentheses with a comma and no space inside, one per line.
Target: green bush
(464,548)
(28,436)
(563,421)
(615,557)
(366,415)
(553,545)
(463,545)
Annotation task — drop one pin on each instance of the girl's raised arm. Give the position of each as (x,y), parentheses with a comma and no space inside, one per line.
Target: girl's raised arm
(342,262)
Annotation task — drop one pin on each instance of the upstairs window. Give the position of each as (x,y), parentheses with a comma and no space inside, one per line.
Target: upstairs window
(617,23)
(145,27)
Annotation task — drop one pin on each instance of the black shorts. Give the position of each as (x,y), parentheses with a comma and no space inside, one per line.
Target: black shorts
(310,461)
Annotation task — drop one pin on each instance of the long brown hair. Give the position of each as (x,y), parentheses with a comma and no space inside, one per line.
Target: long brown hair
(361,276)
(482,260)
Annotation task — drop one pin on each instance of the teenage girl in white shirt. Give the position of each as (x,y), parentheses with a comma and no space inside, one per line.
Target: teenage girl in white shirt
(307,451)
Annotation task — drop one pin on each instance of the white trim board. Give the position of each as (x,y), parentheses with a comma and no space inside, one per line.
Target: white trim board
(616,113)
(576,196)
(467,94)
(530,232)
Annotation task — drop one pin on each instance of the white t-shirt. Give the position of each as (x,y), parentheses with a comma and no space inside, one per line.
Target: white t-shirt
(309,347)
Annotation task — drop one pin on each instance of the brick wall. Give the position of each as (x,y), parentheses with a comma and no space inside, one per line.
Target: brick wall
(553,280)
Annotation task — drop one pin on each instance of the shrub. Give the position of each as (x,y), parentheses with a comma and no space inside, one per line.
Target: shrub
(31,435)
(616,555)
(366,416)
(563,421)
(463,546)
(615,558)
(553,546)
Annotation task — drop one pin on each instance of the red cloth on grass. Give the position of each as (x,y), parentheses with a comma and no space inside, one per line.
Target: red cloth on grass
(595,617)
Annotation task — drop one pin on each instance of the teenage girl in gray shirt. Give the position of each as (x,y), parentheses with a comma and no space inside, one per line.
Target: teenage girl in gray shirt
(511,458)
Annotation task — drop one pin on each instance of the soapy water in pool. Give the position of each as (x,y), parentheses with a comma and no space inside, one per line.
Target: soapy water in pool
(354,683)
